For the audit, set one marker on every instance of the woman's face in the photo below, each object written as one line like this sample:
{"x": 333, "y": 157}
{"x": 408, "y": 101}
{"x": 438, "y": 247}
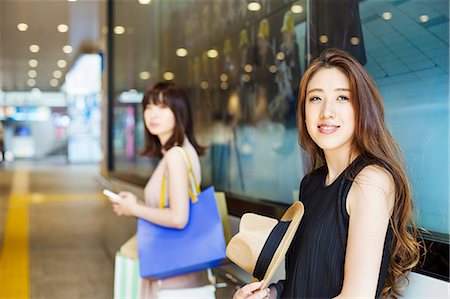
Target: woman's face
{"x": 329, "y": 113}
{"x": 160, "y": 121}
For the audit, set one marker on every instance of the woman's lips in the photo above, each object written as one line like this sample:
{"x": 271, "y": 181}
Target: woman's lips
{"x": 327, "y": 129}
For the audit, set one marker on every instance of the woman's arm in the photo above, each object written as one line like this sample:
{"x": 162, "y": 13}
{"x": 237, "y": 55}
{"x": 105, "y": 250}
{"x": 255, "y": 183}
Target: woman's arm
{"x": 369, "y": 204}
{"x": 177, "y": 214}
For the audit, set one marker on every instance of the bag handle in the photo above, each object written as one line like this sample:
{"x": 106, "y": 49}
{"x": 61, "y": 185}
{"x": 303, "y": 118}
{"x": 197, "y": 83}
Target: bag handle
{"x": 191, "y": 180}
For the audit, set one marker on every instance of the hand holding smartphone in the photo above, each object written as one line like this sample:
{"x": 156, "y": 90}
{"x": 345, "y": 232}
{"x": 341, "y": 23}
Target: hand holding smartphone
{"x": 114, "y": 197}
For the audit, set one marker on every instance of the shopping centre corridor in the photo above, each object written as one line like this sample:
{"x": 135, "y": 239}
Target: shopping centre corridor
{"x": 55, "y": 226}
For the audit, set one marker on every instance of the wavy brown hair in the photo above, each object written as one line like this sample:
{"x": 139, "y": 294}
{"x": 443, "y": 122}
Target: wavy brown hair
{"x": 373, "y": 140}
{"x": 174, "y": 97}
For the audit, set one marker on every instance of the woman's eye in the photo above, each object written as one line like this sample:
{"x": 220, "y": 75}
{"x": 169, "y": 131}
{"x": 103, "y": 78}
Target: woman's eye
{"x": 314, "y": 99}
{"x": 343, "y": 98}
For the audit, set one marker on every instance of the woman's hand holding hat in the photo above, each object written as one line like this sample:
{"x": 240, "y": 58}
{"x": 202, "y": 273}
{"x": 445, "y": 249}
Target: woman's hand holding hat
{"x": 252, "y": 291}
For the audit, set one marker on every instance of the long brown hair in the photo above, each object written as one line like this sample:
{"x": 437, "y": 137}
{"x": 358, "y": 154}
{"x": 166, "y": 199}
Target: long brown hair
{"x": 174, "y": 97}
{"x": 371, "y": 139}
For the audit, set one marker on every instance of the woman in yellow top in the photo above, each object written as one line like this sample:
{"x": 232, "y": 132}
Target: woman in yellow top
{"x": 169, "y": 129}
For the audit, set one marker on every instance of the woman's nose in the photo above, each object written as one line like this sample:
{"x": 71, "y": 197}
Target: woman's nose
{"x": 328, "y": 110}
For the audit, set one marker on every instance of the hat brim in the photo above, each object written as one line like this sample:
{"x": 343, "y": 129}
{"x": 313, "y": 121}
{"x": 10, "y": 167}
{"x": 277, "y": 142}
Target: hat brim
{"x": 294, "y": 214}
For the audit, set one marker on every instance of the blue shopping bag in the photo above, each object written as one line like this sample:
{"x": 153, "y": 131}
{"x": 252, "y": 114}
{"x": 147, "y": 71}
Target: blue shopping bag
{"x": 165, "y": 252}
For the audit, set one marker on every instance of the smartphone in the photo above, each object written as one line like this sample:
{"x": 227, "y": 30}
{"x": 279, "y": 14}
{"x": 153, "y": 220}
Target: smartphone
{"x": 114, "y": 197}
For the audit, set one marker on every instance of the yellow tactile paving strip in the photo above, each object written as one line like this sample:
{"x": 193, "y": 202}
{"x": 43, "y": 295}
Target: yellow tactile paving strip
{"x": 14, "y": 254}
{"x": 14, "y": 257}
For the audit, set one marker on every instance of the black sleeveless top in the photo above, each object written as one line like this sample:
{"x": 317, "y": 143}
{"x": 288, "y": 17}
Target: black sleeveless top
{"x": 315, "y": 259}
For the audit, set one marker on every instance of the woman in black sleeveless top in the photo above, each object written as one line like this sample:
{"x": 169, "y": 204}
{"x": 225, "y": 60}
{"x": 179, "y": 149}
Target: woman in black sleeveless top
{"x": 353, "y": 239}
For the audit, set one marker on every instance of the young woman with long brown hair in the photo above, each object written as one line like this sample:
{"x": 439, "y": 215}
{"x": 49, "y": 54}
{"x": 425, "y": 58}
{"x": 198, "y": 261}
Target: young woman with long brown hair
{"x": 357, "y": 238}
{"x": 169, "y": 135}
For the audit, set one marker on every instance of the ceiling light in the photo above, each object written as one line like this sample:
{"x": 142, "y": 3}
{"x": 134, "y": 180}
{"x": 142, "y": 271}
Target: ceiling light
{"x": 273, "y": 69}
{"x": 246, "y": 78}
{"x": 254, "y": 6}
{"x": 297, "y": 8}
{"x": 223, "y": 85}
{"x": 223, "y": 77}
{"x": 22, "y": 27}
{"x": 57, "y": 74}
{"x": 387, "y": 15}
{"x": 204, "y": 85}
{"x": 72, "y": 0}
{"x": 144, "y": 1}
{"x": 354, "y": 41}
{"x": 67, "y": 49}
{"x": 31, "y": 82}
{"x": 53, "y": 82}
{"x": 32, "y": 73}
{"x": 424, "y": 18}
{"x": 168, "y": 76}
{"x": 33, "y": 63}
{"x": 144, "y": 75}
{"x": 62, "y": 28}
{"x": 323, "y": 39}
{"x": 248, "y": 68}
{"x": 280, "y": 56}
{"x": 182, "y": 52}
{"x": 34, "y": 48}
{"x": 36, "y": 91}
{"x": 212, "y": 53}
{"x": 119, "y": 30}
{"x": 61, "y": 63}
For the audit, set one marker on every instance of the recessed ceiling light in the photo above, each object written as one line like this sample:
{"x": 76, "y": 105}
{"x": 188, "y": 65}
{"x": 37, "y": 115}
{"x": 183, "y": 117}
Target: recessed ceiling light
{"x": 387, "y": 15}
{"x": 53, "y": 82}
{"x": 212, "y": 53}
{"x": 57, "y": 74}
{"x": 424, "y": 18}
{"x": 297, "y": 8}
{"x": 168, "y": 76}
{"x": 254, "y": 6}
{"x": 248, "y": 68}
{"x": 67, "y": 49}
{"x": 31, "y": 82}
{"x": 36, "y": 92}
{"x": 72, "y": 0}
{"x": 22, "y": 27}
{"x": 280, "y": 56}
{"x": 204, "y": 85}
{"x": 323, "y": 38}
{"x": 223, "y": 85}
{"x": 34, "y": 48}
{"x": 119, "y": 30}
{"x": 182, "y": 52}
{"x": 223, "y": 77}
{"x": 62, "y": 28}
{"x": 61, "y": 63}
{"x": 33, "y": 63}
{"x": 144, "y": 75}
{"x": 273, "y": 69}
{"x": 354, "y": 41}
{"x": 144, "y": 1}
{"x": 32, "y": 73}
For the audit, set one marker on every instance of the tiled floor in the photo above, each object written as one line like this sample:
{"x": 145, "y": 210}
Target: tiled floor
{"x": 64, "y": 225}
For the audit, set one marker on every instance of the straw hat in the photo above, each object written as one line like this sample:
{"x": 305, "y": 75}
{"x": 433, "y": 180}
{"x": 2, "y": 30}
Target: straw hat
{"x": 262, "y": 242}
